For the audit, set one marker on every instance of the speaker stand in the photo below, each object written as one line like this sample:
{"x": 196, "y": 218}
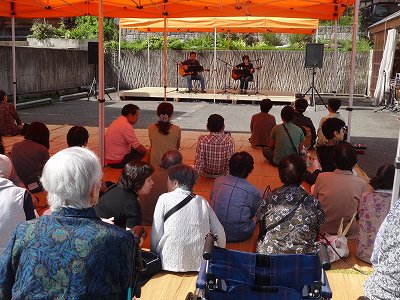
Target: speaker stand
{"x": 313, "y": 90}
{"x": 93, "y": 87}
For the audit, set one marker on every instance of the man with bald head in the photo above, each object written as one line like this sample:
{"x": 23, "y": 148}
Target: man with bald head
{"x": 160, "y": 177}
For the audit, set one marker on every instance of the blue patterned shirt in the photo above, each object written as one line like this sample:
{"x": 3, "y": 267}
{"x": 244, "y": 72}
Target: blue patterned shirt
{"x": 70, "y": 254}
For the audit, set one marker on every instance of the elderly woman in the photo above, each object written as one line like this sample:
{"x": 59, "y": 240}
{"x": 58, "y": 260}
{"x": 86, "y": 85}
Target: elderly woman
{"x": 15, "y": 205}
{"x": 30, "y": 155}
{"x": 121, "y": 200}
{"x": 179, "y": 238}
{"x": 163, "y": 135}
{"x": 70, "y": 254}
{"x": 290, "y": 217}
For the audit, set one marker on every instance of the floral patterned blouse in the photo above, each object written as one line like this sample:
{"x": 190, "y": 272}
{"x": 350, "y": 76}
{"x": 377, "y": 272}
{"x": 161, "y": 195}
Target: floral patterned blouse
{"x": 372, "y": 210}
{"x": 70, "y": 254}
{"x": 384, "y": 282}
{"x": 299, "y": 232}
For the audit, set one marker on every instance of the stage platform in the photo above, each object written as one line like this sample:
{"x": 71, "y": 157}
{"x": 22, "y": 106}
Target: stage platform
{"x": 232, "y": 95}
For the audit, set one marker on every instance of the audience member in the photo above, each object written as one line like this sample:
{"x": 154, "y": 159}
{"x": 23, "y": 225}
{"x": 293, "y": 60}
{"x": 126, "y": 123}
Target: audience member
{"x": 261, "y": 125}
{"x": 13, "y": 177}
{"x": 333, "y": 107}
{"x": 163, "y": 135}
{"x": 286, "y": 138}
{"x": 121, "y": 143}
{"x": 235, "y": 200}
{"x": 15, "y": 205}
{"x": 340, "y": 191}
{"x": 384, "y": 282}
{"x": 290, "y": 217}
{"x": 120, "y": 201}
{"x": 10, "y": 122}
{"x": 99, "y": 258}
{"x": 372, "y": 210}
{"x": 30, "y": 155}
{"x": 213, "y": 151}
{"x": 160, "y": 178}
{"x": 179, "y": 240}
{"x": 305, "y": 123}
{"x": 77, "y": 136}
{"x": 334, "y": 131}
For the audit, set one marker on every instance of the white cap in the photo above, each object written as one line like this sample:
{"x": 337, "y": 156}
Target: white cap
{"x": 5, "y": 166}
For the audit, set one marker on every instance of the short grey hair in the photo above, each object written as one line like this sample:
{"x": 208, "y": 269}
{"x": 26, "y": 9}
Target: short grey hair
{"x": 69, "y": 176}
{"x": 185, "y": 175}
{"x": 5, "y": 166}
{"x": 171, "y": 158}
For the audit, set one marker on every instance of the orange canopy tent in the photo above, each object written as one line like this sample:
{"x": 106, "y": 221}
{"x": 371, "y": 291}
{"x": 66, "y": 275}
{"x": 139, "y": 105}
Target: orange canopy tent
{"x": 317, "y": 9}
{"x": 223, "y": 24}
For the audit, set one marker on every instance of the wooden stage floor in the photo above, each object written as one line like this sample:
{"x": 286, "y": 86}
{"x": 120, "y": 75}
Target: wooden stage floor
{"x": 346, "y": 284}
{"x": 232, "y": 95}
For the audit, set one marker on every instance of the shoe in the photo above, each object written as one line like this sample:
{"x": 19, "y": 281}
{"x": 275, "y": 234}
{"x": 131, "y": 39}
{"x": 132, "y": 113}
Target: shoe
{"x": 241, "y": 92}
{"x": 189, "y": 91}
{"x": 203, "y": 91}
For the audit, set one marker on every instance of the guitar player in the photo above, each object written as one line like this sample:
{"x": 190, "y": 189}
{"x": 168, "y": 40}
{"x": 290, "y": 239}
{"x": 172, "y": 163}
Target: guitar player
{"x": 192, "y": 68}
{"x": 244, "y": 72}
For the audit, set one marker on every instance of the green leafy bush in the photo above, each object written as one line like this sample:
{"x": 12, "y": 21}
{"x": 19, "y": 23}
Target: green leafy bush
{"x": 299, "y": 40}
{"x": 42, "y": 30}
{"x": 271, "y": 39}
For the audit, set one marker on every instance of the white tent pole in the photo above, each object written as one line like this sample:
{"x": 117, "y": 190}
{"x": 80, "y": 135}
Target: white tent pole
{"x": 316, "y": 34}
{"x": 148, "y": 59}
{"x": 101, "y": 82}
{"x": 396, "y": 182}
{"x": 215, "y": 61}
{"x": 352, "y": 66}
{"x": 119, "y": 56}
{"x": 335, "y": 59}
{"x": 165, "y": 58}
{"x": 14, "y": 67}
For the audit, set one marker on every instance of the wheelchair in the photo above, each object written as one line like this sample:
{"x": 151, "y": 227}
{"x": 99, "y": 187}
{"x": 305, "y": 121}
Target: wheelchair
{"x": 229, "y": 274}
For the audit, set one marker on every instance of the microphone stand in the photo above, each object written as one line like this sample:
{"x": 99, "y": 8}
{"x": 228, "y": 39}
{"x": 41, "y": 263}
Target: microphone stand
{"x": 225, "y": 91}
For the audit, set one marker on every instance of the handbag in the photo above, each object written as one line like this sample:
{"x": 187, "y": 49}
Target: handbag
{"x": 297, "y": 151}
{"x": 151, "y": 266}
{"x": 179, "y": 206}
{"x": 263, "y": 231}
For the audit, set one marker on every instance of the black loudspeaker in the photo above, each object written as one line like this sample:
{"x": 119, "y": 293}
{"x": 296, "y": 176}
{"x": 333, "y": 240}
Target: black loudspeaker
{"x": 93, "y": 53}
{"x": 314, "y": 55}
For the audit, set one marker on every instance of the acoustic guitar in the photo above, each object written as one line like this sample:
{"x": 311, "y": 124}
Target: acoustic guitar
{"x": 239, "y": 72}
{"x": 185, "y": 70}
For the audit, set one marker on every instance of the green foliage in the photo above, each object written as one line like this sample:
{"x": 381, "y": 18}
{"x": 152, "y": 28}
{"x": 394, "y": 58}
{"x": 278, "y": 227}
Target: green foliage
{"x": 175, "y": 44}
{"x": 202, "y": 42}
{"x": 42, "y": 30}
{"x": 74, "y": 28}
{"x": 299, "y": 40}
{"x": 363, "y": 45}
{"x": 271, "y": 39}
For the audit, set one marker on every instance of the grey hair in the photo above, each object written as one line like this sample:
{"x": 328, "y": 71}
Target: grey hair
{"x": 69, "y": 176}
{"x": 5, "y": 166}
{"x": 186, "y": 176}
{"x": 171, "y": 158}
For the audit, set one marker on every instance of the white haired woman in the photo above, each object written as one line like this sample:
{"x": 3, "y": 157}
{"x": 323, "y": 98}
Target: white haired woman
{"x": 179, "y": 238}
{"x": 70, "y": 254}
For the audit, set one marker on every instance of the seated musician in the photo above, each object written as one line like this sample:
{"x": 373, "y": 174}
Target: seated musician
{"x": 192, "y": 67}
{"x": 245, "y": 70}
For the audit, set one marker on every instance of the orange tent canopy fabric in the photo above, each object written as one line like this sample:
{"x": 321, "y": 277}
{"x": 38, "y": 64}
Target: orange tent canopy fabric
{"x": 224, "y": 24}
{"x": 315, "y": 9}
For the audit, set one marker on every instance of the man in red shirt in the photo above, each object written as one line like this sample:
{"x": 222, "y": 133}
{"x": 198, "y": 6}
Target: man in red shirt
{"x": 121, "y": 143}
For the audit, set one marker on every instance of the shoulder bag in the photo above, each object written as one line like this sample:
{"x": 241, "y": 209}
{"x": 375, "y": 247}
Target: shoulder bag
{"x": 179, "y": 206}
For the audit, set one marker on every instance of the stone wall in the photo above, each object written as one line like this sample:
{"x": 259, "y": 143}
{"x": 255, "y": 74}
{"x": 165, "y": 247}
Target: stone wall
{"x": 44, "y": 70}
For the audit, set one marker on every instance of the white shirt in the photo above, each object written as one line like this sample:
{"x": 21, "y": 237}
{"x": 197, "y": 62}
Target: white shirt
{"x": 180, "y": 240}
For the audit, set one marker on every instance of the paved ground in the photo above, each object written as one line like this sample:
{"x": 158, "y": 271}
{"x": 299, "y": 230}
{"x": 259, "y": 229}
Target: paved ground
{"x": 378, "y": 130}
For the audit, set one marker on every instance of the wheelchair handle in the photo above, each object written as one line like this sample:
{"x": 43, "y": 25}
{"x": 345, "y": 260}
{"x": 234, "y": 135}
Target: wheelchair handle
{"x": 209, "y": 245}
{"x": 324, "y": 257}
